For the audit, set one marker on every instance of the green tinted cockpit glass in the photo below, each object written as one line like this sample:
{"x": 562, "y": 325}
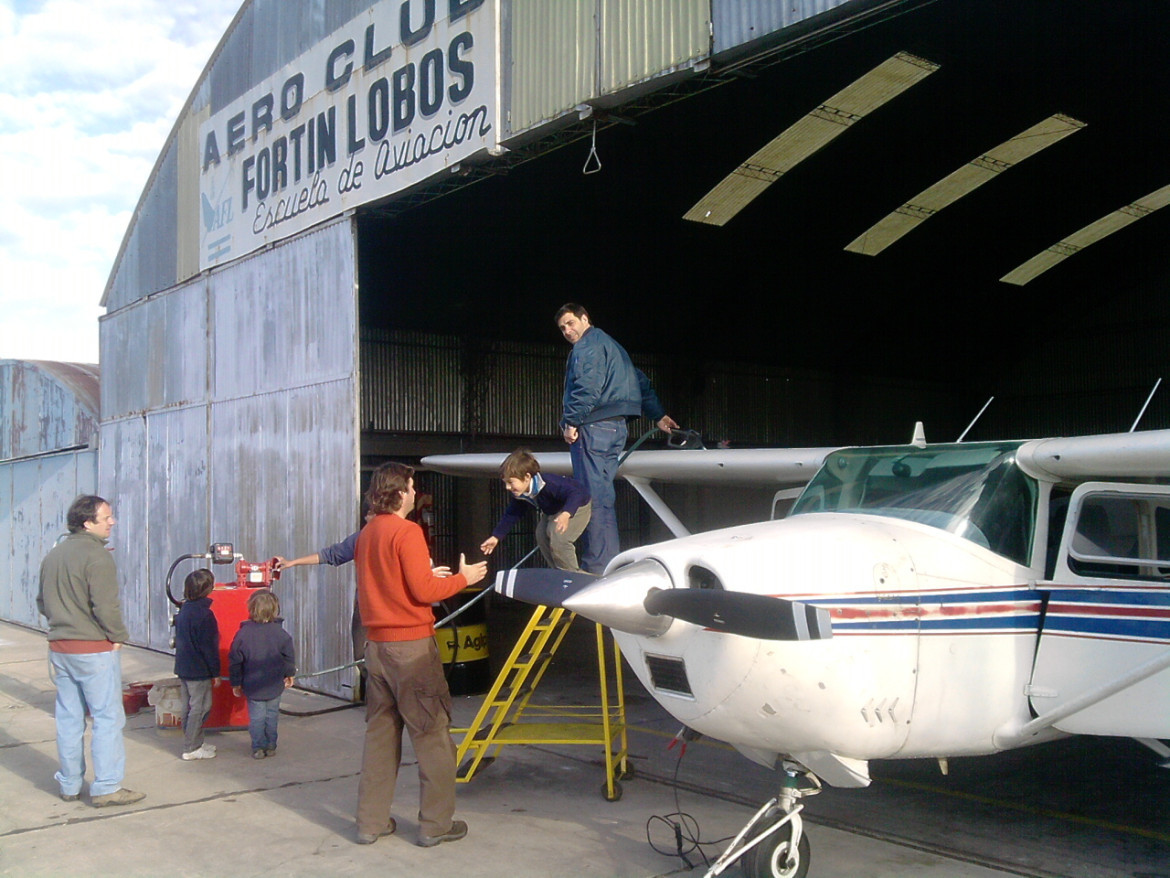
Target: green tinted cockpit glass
{"x": 974, "y": 491}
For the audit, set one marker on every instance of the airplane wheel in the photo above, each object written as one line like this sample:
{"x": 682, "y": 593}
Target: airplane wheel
{"x": 771, "y": 857}
{"x": 617, "y": 792}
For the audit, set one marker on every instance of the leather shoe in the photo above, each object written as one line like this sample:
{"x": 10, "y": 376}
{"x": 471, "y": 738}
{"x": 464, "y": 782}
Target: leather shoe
{"x": 118, "y": 797}
{"x": 457, "y": 831}
{"x": 365, "y": 838}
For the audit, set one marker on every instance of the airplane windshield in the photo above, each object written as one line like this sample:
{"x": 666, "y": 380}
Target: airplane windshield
{"x": 974, "y": 491}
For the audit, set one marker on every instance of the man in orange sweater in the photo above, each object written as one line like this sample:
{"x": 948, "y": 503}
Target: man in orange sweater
{"x": 405, "y": 685}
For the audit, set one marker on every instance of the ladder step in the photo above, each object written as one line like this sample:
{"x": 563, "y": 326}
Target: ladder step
{"x": 556, "y": 733}
{"x": 482, "y": 734}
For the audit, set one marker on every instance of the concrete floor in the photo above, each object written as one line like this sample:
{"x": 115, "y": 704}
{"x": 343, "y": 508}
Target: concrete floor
{"x": 537, "y": 811}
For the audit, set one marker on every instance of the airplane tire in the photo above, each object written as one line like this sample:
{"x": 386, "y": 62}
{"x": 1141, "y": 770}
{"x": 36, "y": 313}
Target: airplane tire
{"x": 770, "y": 858}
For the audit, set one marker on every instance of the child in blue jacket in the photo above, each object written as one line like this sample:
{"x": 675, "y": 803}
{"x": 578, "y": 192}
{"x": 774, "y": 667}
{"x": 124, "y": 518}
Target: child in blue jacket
{"x": 196, "y": 660}
{"x": 262, "y": 665}
{"x": 563, "y": 503}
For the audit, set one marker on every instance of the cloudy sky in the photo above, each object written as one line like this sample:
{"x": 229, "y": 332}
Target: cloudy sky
{"x": 89, "y": 91}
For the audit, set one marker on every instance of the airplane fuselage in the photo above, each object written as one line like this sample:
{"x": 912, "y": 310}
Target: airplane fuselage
{"x": 931, "y": 648}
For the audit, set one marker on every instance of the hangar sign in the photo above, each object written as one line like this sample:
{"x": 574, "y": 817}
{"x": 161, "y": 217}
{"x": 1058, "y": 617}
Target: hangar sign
{"x": 400, "y": 93}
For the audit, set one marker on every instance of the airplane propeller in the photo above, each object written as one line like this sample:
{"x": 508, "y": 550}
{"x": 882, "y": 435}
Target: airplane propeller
{"x": 633, "y": 599}
{"x": 736, "y": 612}
{"x": 541, "y": 586}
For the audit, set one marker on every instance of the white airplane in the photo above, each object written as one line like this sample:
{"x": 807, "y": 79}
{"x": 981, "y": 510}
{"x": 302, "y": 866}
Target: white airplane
{"x": 918, "y": 601}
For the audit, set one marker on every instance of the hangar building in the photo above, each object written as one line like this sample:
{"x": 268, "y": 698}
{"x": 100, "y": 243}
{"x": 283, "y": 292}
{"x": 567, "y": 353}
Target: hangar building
{"x": 48, "y": 455}
{"x": 811, "y": 222}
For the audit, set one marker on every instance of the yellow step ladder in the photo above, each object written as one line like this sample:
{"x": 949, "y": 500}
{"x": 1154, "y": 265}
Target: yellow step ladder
{"x": 499, "y": 720}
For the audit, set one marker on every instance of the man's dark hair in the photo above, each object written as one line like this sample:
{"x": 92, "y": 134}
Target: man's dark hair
{"x": 83, "y": 509}
{"x": 571, "y": 307}
{"x": 387, "y": 484}
{"x": 519, "y": 464}
{"x": 198, "y": 584}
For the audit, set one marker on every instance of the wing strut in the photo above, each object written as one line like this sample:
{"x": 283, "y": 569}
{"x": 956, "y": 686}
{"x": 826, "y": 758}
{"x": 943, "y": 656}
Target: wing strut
{"x": 642, "y": 486}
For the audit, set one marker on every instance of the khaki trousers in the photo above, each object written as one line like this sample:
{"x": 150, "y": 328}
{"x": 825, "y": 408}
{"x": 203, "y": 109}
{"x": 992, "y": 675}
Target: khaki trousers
{"x": 405, "y": 687}
{"x": 559, "y": 550}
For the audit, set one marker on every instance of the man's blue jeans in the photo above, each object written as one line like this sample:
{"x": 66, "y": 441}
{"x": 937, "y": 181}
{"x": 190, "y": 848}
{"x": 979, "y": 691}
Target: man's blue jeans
{"x": 262, "y": 719}
{"x": 595, "y": 457}
{"x": 94, "y": 681}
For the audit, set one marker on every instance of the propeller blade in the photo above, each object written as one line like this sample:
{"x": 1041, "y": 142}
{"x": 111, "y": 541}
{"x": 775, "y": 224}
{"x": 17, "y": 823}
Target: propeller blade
{"x": 736, "y": 612}
{"x": 541, "y": 586}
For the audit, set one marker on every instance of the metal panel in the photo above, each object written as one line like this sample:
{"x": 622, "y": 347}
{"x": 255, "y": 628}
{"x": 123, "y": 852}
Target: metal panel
{"x": 156, "y": 352}
{"x": 283, "y": 448}
{"x": 553, "y": 59}
{"x": 641, "y": 40}
{"x": 523, "y": 389}
{"x": 255, "y": 444}
{"x": 245, "y": 432}
{"x": 284, "y": 317}
{"x": 123, "y": 481}
{"x": 411, "y": 382}
{"x": 737, "y": 22}
{"x": 178, "y": 490}
{"x": 46, "y": 406}
{"x": 34, "y": 497}
{"x": 189, "y": 212}
{"x": 567, "y": 53}
{"x": 268, "y": 35}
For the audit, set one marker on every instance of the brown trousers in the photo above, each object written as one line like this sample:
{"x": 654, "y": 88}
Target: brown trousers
{"x": 405, "y": 686}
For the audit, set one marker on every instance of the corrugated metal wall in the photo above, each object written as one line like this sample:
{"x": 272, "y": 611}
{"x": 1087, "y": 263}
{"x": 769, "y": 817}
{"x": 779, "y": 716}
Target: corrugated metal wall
{"x": 425, "y": 383}
{"x": 34, "y": 497}
{"x": 641, "y": 41}
{"x": 230, "y": 414}
{"x": 737, "y": 22}
{"x": 45, "y": 408}
{"x": 428, "y": 365}
{"x": 567, "y": 53}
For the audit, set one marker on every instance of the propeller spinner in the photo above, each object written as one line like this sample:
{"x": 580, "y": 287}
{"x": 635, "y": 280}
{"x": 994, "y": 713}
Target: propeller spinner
{"x": 640, "y": 599}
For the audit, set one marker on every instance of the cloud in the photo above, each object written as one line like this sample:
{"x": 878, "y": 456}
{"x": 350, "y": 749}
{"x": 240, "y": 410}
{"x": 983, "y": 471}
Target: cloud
{"x": 91, "y": 90}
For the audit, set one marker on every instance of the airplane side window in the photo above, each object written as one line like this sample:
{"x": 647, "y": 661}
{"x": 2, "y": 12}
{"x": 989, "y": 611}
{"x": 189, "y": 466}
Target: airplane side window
{"x": 1106, "y": 540}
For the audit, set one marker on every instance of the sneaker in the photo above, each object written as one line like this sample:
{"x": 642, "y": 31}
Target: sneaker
{"x": 364, "y": 838}
{"x": 457, "y": 831}
{"x": 118, "y": 797}
{"x": 269, "y": 751}
{"x": 70, "y": 797}
{"x": 204, "y": 752}
{"x": 258, "y": 754}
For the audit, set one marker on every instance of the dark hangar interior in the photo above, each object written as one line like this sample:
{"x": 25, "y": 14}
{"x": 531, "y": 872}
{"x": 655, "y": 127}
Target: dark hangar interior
{"x": 925, "y": 330}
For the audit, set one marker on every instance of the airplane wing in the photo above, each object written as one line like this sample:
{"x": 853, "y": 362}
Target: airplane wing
{"x": 1108, "y": 456}
{"x": 754, "y": 467}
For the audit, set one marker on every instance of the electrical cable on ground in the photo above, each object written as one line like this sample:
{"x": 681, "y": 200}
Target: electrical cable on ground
{"x": 683, "y": 827}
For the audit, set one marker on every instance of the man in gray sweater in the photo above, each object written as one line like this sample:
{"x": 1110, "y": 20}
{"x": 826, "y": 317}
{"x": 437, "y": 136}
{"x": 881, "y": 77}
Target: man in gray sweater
{"x": 79, "y": 597}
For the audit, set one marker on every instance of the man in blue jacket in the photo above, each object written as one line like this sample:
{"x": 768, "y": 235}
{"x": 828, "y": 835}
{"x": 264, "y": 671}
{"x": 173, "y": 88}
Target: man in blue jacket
{"x": 602, "y": 390}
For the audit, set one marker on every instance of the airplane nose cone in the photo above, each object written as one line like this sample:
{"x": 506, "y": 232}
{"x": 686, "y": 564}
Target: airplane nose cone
{"x": 616, "y": 600}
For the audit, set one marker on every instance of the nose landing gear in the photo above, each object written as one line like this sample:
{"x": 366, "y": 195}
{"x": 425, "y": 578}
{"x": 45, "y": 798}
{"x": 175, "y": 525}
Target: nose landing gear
{"x": 773, "y": 843}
